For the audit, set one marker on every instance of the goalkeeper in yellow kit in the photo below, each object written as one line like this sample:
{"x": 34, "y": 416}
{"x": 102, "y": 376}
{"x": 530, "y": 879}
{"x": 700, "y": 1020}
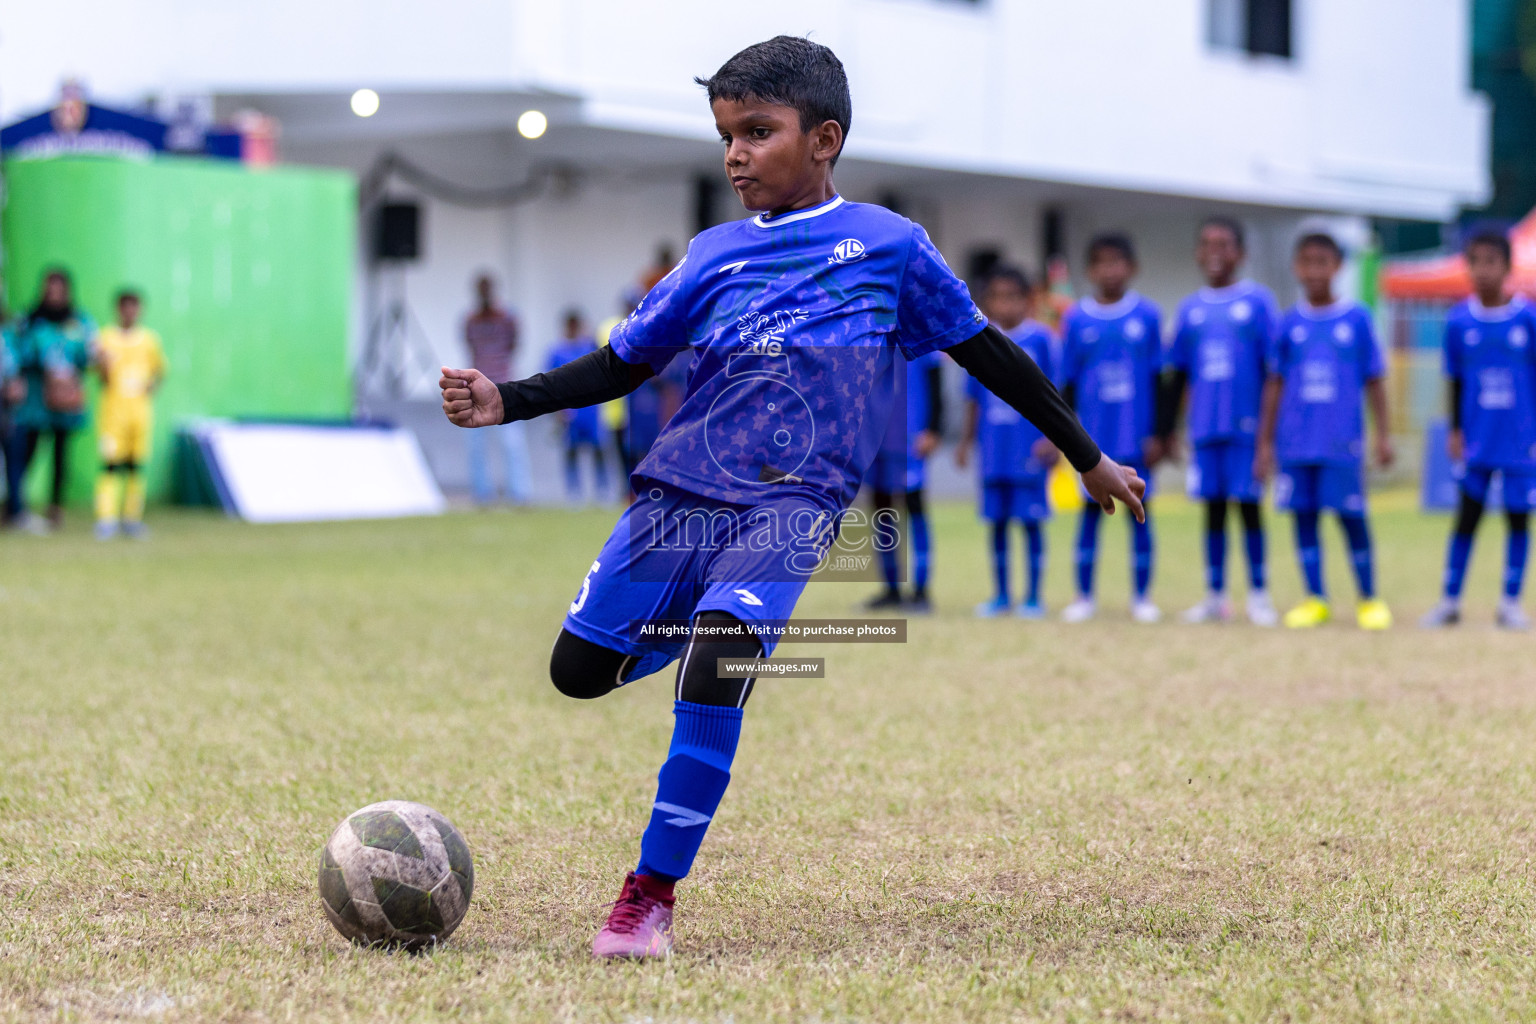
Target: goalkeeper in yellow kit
{"x": 132, "y": 365}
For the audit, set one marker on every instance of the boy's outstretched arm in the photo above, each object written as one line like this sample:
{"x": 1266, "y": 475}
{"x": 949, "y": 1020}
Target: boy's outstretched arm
{"x": 1008, "y": 372}
{"x": 471, "y": 399}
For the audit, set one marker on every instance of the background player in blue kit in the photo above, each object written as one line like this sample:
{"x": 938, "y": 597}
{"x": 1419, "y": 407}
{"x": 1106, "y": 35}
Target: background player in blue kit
{"x": 1221, "y": 338}
{"x": 797, "y": 319}
{"x": 1324, "y": 356}
{"x": 1111, "y": 356}
{"x": 583, "y": 427}
{"x": 1490, "y": 361}
{"x": 900, "y": 467}
{"x": 1015, "y": 457}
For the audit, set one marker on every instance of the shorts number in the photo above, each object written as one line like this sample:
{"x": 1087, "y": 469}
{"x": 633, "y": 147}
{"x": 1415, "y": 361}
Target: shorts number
{"x": 586, "y": 588}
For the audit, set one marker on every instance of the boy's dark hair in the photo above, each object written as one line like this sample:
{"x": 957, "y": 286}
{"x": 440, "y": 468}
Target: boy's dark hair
{"x": 1320, "y": 238}
{"x": 1006, "y": 272}
{"x": 1231, "y": 225}
{"x": 129, "y": 295}
{"x": 790, "y": 71}
{"x": 1112, "y": 241}
{"x": 1492, "y": 236}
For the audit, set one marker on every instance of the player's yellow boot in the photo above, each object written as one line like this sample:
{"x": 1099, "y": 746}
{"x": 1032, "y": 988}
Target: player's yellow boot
{"x": 1309, "y": 614}
{"x": 1374, "y": 614}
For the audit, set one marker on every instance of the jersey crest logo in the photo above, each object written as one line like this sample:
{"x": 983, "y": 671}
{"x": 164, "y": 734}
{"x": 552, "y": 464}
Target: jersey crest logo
{"x": 1135, "y": 330}
{"x": 1298, "y": 334}
{"x": 1343, "y": 334}
{"x": 1517, "y": 338}
{"x": 1241, "y": 311}
{"x": 733, "y": 268}
{"x": 849, "y": 250}
{"x": 1197, "y": 316}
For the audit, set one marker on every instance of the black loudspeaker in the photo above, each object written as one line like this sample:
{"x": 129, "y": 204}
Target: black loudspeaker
{"x": 397, "y": 232}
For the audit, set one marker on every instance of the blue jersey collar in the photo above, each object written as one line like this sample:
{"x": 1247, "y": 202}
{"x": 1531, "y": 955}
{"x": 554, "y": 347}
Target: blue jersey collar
{"x": 1331, "y": 311}
{"x": 1494, "y": 314}
{"x": 764, "y": 220}
{"x": 1227, "y": 294}
{"x": 1094, "y": 308}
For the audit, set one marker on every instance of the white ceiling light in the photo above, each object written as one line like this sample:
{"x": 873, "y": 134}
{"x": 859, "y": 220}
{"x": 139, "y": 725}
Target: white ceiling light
{"x": 532, "y": 124}
{"x": 365, "y": 103}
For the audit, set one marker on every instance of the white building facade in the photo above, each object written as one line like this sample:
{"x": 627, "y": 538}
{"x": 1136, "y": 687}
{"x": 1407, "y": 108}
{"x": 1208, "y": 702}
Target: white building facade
{"x": 1009, "y": 127}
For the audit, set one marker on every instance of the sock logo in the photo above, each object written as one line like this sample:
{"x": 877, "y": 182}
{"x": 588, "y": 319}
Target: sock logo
{"x": 685, "y": 817}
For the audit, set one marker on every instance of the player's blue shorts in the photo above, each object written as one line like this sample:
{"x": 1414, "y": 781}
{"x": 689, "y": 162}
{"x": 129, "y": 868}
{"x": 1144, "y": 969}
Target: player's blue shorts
{"x": 1519, "y": 493}
{"x": 1140, "y": 466}
{"x": 1025, "y": 500}
{"x": 675, "y": 554}
{"x": 1224, "y": 469}
{"x": 1312, "y": 487}
{"x": 583, "y": 430}
{"x": 896, "y": 472}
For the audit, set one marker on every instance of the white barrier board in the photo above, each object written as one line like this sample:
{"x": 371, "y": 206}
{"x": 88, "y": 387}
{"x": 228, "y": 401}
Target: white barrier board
{"x": 286, "y": 473}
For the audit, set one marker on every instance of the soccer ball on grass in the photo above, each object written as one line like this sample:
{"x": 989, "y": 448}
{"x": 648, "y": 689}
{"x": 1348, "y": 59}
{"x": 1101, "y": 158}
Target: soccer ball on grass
{"x": 396, "y": 874}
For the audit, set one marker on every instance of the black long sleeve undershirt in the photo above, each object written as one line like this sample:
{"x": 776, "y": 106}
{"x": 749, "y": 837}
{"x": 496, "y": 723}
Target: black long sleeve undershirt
{"x": 933, "y": 380}
{"x": 595, "y": 378}
{"x": 1455, "y": 388}
{"x": 1170, "y": 397}
{"x": 1007, "y": 371}
{"x": 991, "y": 357}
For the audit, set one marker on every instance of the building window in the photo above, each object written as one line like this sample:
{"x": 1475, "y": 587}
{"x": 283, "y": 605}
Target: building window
{"x": 1250, "y": 26}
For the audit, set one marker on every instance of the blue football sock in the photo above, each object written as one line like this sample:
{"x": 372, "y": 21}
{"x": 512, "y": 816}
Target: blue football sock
{"x": 1456, "y": 562}
{"x": 1359, "y": 536}
{"x": 1310, "y": 550}
{"x": 921, "y": 552}
{"x": 1000, "y": 559}
{"x": 1035, "y": 538}
{"x": 1141, "y": 554}
{"x": 1216, "y": 559}
{"x": 689, "y": 788}
{"x": 1087, "y": 543}
{"x": 1515, "y": 551}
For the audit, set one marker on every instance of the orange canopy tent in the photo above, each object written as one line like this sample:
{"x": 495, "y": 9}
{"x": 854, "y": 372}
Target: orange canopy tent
{"x": 1445, "y": 277}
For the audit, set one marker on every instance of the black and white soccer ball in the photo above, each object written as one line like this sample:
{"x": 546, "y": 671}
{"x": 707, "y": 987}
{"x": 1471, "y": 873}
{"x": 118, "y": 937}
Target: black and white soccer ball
{"x": 396, "y": 874}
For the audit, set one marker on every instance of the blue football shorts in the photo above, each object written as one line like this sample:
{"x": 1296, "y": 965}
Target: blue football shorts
{"x": 1519, "y": 494}
{"x": 1314, "y": 486}
{"x": 1224, "y": 469}
{"x": 675, "y": 554}
{"x": 1024, "y": 500}
{"x": 896, "y": 473}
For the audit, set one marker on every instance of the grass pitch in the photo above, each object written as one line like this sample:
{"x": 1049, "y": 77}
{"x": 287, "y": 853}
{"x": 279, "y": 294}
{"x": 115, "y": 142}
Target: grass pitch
{"x": 997, "y": 821}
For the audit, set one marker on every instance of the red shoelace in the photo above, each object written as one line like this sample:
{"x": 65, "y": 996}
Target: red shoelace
{"x": 631, "y": 908}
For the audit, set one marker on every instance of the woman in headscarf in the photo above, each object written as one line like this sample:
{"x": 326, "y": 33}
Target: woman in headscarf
{"x": 53, "y": 345}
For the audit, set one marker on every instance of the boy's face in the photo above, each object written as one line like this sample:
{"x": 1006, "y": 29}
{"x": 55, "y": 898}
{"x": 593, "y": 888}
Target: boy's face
{"x": 1488, "y": 268}
{"x": 1005, "y": 302}
{"x": 770, "y": 161}
{"x": 128, "y": 312}
{"x": 1218, "y": 254}
{"x": 1315, "y": 267}
{"x": 1110, "y": 272}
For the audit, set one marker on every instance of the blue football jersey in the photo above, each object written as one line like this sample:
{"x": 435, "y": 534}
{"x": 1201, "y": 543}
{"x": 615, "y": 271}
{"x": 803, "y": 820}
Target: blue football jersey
{"x": 1111, "y": 356}
{"x": 795, "y": 323}
{"x": 1490, "y": 351}
{"x": 1005, "y": 440}
{"x": 565, "y": 351}
{"x": 1325, "y": 356}
{"x": 911, "y": 411}
{"x": 1221, "y": 338}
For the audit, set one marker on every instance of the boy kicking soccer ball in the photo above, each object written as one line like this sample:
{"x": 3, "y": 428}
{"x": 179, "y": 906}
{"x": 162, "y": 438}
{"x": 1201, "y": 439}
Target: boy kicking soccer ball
{"x": 1111, "y": 358}
{"x": 1490, "y": 361}
{"x": 1323, "y": 357}
{"x": 1220, "y": 341}
{"x": 794, "y": 317}
{"x": 1015, "y": 459}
